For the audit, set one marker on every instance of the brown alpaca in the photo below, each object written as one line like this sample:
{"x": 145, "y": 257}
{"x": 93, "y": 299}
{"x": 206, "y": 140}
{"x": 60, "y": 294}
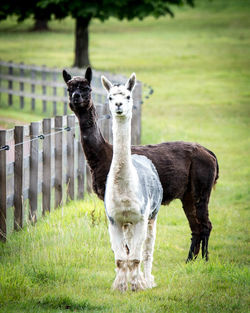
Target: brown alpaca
{"x": 187, "y": 171}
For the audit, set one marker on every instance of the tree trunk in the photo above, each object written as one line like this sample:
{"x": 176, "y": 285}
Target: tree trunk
{"x": 82, "y": 42}
{"x": 41, "y": 25}
{"x": 41, "y": 22}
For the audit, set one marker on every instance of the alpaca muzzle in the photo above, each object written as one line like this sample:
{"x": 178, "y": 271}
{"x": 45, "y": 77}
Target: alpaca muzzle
{"x": 118, "y": 109}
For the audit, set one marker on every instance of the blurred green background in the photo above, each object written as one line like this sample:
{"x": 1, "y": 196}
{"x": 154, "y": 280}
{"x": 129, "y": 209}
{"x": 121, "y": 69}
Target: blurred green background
{"x": 198, "y": 64}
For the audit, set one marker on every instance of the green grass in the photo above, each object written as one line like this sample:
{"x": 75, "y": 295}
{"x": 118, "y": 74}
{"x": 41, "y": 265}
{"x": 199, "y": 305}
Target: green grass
{"x": 65, "y": 263}
{"x": 9, "y": 118}
{"x": 198, "y": 65}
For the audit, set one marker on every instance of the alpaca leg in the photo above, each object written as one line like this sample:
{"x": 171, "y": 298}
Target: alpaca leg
{"x": 148, "y": 251}
{"x": 135, "y": 236}
{"x": 117, "y": 244}
{"x": 190, "y": 211}
{"x": 202, "y": 215}
{"x": 121, "y": 283}
{"x": 203, "y": 176}
{"x": 136, "y": 277}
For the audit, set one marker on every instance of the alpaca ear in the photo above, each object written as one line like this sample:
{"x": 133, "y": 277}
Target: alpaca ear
{"x": 130, "y": 84}
{"x": 106, "y": 83}
{"x": 66, "y": 76}
{"x": 88, "y": 74}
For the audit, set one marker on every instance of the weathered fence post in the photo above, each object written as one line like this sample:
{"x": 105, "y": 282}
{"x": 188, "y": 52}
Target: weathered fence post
{"x": 18, "y": 178}
{"x": 70, "y": 157}
{"x": 54, "y": 78}
{"x": 3, "y": 184}
{"x": 44, "y": 75}
{"x": 34, "y": 154}
{"x": 10, "y": 84}
{"x": 88, "y": 179}
{"x": 106, "y": 119}
{"x": 81, "y": 171}
{"x": 58, "y": 161}
{"x": 139, "y": 110}
{"x": 65, "y": 104}
{"x": 46, "y": 165}
{"x": 33, "y": 88}
{"x": 111, "y": 131}
{"x": 21, "y": 86}
{"x": 136, "y": 117}
{"x": 0, "y": 79}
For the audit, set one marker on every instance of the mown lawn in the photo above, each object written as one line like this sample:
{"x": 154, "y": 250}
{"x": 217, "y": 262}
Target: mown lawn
{"x": 198, "y": 65}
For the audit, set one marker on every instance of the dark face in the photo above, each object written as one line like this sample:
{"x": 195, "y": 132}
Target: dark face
{"x": 79, "y": 93}
{"x": 79, "y": 90}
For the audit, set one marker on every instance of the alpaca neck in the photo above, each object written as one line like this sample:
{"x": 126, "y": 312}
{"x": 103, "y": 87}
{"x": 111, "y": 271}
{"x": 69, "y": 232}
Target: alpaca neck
{"x": 92, "y": 140}
{"x": 122, "y": 142}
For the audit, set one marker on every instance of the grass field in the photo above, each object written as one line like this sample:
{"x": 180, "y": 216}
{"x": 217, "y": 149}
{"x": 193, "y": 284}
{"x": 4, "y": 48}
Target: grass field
{"x": 198, "y": 64}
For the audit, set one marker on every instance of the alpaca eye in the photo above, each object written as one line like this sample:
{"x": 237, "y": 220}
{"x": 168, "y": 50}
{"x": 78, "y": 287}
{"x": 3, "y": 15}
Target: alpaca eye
{"x": 128, "y": 97}
{"x": 110, "y": 98}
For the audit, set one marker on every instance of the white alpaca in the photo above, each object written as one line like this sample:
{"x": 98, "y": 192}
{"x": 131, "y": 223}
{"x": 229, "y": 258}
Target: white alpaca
{"x": 132, "y": 198}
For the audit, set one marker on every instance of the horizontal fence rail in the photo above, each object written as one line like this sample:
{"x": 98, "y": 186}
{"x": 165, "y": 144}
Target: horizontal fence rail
{"x": 42, "y": 90}
{"x": 38, "y": 88}
{"x": 42, "y": 165}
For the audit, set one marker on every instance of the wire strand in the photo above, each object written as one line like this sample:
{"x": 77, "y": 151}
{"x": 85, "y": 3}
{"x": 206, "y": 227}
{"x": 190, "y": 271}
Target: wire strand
{"x": 41, "y": 136}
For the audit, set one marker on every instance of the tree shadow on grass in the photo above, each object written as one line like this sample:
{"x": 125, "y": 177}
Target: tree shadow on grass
{"x": 66, "y": 303}
{"x": 52, "y": 304}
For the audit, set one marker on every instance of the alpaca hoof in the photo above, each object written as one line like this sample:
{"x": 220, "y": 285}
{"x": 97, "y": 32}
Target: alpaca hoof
{"x": 151, "y": 285}
{"x": 204, "y": 241}
{"x": 151, "y": 282}
{"x": 137, "y": 287}
{"x": 122, "y": 287}
{"x": 139, "y": 284}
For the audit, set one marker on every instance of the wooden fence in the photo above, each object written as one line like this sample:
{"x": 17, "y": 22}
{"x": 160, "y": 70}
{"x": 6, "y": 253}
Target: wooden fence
{"x": 42, "y": 90}
{"x": 39, "y": 164}
{"x": 42, "y": 165}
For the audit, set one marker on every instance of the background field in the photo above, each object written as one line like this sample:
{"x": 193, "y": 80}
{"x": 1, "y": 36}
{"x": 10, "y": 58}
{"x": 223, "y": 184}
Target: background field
{"x": 198, "y": 64}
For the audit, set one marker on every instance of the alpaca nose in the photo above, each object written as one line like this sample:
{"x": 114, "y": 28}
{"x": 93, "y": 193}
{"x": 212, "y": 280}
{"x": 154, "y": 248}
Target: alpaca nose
{"x": 118, "y": 104}
{"x": 76, "y": 95}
